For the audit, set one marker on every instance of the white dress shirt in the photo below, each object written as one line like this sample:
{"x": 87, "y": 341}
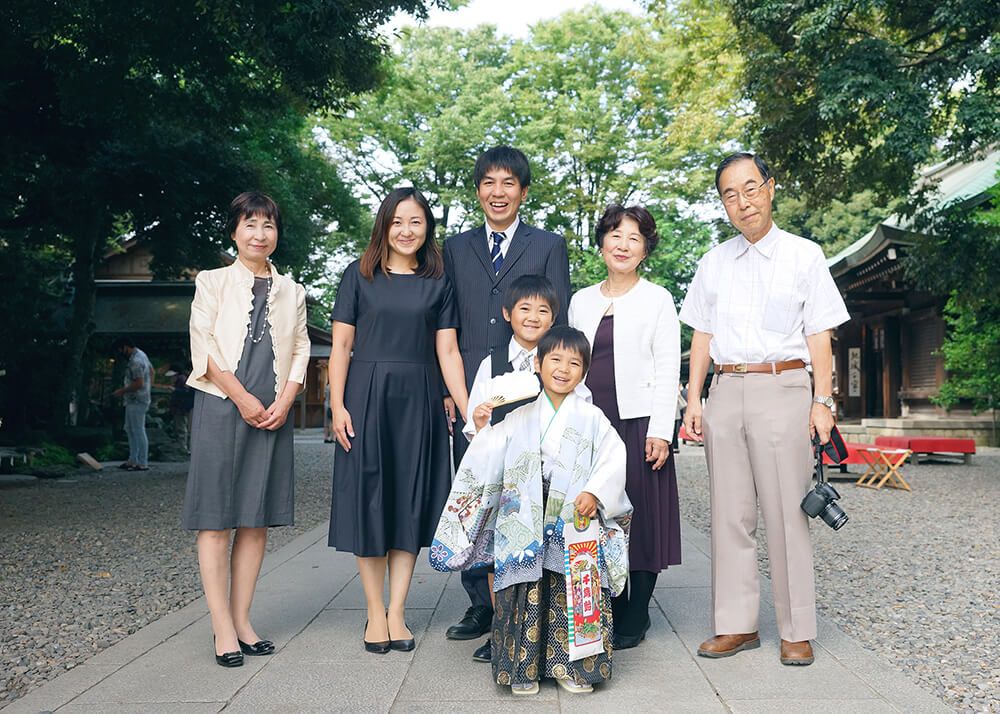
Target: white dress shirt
{"x": 760, "y": 300}
{"x": 509, "y": 232}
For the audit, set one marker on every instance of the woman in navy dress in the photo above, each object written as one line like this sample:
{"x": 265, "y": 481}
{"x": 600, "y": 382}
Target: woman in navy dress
{"x": 394, "y": 337}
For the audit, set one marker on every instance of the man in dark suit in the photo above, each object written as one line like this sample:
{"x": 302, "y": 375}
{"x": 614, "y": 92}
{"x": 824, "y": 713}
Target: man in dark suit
{"x": 481, "y": 263}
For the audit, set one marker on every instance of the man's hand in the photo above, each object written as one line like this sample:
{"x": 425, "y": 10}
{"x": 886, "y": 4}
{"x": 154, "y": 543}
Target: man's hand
{"x": 692, "y": 419}
{"x": 450, "y": 411}
{"x": 586, "y": 504}
{"x": 657, "y": 451}
{"x": 821, "y": 422}
{"x": 118, "y": 392}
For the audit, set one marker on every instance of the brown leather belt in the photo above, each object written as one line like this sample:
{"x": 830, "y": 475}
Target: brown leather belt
{"x": 768, "y": 367}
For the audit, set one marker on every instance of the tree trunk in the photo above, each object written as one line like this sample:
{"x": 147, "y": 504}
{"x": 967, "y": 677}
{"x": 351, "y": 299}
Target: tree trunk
{"x": 87, "y": 245}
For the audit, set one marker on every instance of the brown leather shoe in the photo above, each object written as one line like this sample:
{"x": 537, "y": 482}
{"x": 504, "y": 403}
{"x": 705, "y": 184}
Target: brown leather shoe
{"x": 796, "y": 653}
{"x": 728, "y": 645}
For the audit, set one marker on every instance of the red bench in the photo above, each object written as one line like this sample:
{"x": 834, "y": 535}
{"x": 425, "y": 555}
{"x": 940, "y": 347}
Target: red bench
{"x": 935, "y": 445}
{"x": 893, "y": 442}
{"x": 931, "y": 445}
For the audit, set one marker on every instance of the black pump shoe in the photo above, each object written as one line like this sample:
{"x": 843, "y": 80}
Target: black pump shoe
{"x": 376, "y": 647}
{"x": 261, "y": 647}
{"x": 402, "y": 645}
{"x": 229, "y": 659}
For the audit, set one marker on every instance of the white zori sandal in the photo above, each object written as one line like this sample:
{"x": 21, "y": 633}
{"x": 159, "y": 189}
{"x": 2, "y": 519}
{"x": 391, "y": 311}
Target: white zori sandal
{"x": 572, "y": 687}
{"x": 524, "y": 689}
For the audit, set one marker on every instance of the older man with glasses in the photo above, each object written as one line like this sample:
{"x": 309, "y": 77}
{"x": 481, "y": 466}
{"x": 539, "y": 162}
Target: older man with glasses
{"x": 762, "y": 305}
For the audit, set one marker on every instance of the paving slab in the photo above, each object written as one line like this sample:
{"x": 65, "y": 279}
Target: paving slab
{"x": 309, "y": 601}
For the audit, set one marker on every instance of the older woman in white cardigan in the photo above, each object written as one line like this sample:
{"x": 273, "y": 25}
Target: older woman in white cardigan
{"x": 634, "y": 373}
{"x": 250, "y": 352}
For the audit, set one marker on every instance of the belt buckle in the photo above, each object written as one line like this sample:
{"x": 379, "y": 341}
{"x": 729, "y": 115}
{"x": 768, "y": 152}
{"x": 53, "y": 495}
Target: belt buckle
{"x": 740, "y": 368}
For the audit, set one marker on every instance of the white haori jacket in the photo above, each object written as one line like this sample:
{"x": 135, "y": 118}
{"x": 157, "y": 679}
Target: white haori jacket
{"x": 220, "y": 320}
{"x": 495, "y": 510}
{"x": 647, "y": 338}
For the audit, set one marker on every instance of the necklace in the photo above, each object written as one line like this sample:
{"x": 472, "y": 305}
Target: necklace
{"x": 267, "y": 313}
{"x": 611, "y": 294}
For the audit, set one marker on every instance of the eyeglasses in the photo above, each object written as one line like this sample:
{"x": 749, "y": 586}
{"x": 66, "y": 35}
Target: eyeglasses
{"x": 731, "y": 196}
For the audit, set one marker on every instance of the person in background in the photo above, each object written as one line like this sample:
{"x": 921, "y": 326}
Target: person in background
{"x": 135, "y": 393}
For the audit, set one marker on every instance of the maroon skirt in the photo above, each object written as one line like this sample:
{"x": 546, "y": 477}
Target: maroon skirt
{"x": 655, "y": 539}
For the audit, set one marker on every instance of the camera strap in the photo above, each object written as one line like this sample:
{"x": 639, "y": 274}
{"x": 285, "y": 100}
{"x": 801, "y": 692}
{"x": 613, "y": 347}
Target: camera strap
{"x": 820, "y": 471}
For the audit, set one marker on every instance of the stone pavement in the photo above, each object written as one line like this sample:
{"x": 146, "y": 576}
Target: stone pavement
{"x": 310, "y": 603}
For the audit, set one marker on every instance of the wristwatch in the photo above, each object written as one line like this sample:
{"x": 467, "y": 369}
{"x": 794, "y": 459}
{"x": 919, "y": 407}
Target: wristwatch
{"x": 825, "y": 401}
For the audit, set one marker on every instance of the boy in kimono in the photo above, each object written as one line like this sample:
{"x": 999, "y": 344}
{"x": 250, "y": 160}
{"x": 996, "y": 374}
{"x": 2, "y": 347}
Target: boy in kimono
{"x": 520, "y": 483}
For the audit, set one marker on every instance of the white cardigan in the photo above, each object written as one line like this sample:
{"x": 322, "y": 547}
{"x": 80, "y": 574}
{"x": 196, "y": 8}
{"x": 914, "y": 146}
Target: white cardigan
{"x": 647, "y": 350}
{"x": 220, "y": 319}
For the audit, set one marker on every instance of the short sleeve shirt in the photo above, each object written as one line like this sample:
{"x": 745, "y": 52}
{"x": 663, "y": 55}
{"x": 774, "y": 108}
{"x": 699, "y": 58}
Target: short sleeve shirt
{"x": 760, "y": 300}
{"x": 139, "y": 367}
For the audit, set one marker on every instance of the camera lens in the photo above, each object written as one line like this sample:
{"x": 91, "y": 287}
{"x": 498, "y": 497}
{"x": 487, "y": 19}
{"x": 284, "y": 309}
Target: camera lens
{"x": 834, "y": 516}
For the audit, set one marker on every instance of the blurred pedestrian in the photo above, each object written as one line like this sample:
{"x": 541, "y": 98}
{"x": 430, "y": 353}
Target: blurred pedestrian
{"x": 135, "y": 393}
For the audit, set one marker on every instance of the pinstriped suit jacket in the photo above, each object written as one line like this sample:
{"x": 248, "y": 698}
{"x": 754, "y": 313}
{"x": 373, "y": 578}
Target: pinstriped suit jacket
{"x": 479, "y": 291}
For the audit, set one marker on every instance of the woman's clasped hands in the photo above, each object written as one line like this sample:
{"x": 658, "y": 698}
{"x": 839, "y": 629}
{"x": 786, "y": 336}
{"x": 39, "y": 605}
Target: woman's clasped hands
{"x": 253, "y": 412}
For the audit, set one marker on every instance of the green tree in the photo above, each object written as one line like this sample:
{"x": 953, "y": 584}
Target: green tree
{"x": 854, "y": 95}
{"x": 834, "y": 226}
{"x": 442, "y": 102}
{"x": 957, "y": 256}
{"x": 149, "y": 117}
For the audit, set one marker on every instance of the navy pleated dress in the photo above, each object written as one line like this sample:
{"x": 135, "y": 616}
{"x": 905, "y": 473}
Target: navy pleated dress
{"x": 388, "y": 491}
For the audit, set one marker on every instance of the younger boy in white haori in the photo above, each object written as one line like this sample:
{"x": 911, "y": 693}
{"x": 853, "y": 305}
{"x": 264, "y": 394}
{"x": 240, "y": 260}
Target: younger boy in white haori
{"x": 554, "y": 462}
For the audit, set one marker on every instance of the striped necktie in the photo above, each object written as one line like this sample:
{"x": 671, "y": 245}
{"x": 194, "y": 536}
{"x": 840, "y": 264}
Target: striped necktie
{"x": 495, "y": 255}
{"x": 525, "y": 362}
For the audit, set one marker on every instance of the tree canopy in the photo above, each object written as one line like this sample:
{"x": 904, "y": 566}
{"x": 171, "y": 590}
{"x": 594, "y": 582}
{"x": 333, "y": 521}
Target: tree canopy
{"x": 856, "y": 95}
{"x": 145, "y": 118}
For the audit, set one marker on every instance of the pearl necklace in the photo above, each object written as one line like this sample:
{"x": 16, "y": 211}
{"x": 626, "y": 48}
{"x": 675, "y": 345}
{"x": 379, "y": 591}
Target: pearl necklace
{"x": 267, "y": 313}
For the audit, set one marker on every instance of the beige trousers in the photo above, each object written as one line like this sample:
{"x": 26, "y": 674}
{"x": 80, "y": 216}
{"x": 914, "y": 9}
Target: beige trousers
{"x": 756, "y": 429}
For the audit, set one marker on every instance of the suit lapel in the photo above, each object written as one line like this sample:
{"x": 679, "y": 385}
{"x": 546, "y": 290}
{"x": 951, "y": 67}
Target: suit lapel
{"x": 518, "y": 244}
{"x": 477, "y": 238}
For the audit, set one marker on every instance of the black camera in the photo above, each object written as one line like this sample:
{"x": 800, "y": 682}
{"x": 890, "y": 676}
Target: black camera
{"x": 822, "y": 500}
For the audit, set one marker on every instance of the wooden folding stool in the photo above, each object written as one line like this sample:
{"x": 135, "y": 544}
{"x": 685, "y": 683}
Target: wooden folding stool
{"x": 883, "y": 467}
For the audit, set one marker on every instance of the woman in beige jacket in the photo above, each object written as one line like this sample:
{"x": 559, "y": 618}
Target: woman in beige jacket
{"x": 249, "y": 351}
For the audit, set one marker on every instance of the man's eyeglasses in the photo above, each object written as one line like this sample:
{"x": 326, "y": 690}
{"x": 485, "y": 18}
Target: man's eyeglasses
{"x": 731, "y": 196}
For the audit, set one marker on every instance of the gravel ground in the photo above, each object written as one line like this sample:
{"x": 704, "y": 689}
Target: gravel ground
{"x": 87, "y": 560}
{"x": 915, "y": 577}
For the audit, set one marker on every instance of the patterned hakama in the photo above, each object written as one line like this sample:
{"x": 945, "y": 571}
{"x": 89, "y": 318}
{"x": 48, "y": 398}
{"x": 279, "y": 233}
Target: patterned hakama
{"x": 530, "y": 639}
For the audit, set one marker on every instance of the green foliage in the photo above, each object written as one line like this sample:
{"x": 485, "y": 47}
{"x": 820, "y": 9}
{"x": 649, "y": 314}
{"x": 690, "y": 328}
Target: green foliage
{"x": 854, "y": 95}
{"x": 836, "y": 225}
{"x": 588, "y": 96}
{"x": 971, "y": 355}
{"x": 957, "y": 255}
{"x": 149, "y": 117}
